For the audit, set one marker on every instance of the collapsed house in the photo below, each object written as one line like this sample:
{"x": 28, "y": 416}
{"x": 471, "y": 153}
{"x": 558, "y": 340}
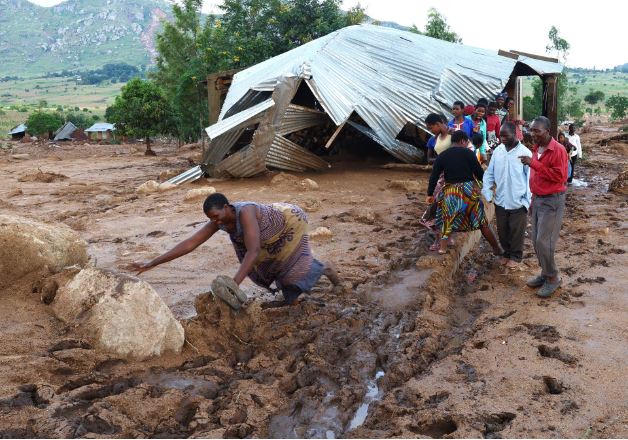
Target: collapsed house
{"x": 69, "y": 132}
{"x": 18, "y": 132}
{"x": 288, "y": 111}
{"x": 101, "y": 130}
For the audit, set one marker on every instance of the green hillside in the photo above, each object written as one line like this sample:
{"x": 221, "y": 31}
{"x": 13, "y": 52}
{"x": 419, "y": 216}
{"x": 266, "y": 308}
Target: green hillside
{"x": 77, "y": 34}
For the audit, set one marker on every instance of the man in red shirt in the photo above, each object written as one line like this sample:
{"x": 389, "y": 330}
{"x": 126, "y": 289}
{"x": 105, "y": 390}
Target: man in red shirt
{"x": 548, "y": 183}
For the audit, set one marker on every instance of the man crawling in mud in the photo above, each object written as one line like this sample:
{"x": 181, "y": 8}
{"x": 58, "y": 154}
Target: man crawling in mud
{"x": 270, "y": 241}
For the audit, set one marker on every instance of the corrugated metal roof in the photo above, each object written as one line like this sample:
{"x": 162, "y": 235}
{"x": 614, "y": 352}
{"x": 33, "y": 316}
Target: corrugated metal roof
{"x": 18, "y": 129}
{"x": 388, "y": 77}
{"x": 188, "y": 176}
{"x": 244, "y": 117}
{"x": 101, "y": 126}
{"x": 298, "y": 118}
{"x": 286, "y": 155}
{"x": 401, "y": 150}
{"x": 406, "y": 72}
{"x": 65, "y": 132}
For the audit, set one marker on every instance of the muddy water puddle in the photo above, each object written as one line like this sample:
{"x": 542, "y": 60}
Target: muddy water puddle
{"x": 373, "y": 393}
{"x": 401, "y": 289}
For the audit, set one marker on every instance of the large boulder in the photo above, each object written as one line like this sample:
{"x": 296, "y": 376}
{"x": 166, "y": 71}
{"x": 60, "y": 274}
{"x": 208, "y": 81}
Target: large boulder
{"x": 27, "y": 246}
{"x": 119, "y": 314}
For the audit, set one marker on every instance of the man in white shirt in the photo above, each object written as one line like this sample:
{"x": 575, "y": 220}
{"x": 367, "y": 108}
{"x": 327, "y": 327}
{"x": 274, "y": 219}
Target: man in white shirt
{"x": 574, "y": 139}
{"x": 512, "y": 196}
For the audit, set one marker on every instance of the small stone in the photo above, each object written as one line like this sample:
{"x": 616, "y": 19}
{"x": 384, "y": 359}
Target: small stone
{"x": 198, "y": 193}
{"x": 405, "y": 185}
{"x": 309, "y": 185}
{"x": 148, "y": 187}
{"x": 321, "y": 233}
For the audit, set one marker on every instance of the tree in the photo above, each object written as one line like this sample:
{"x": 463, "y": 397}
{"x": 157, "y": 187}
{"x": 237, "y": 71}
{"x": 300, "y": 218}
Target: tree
{"x": 43, "y": 123}
{"x": 355, "y": 15}
{"x": 141, "y": 110}
{"x": 80, "y": 120}
{"x": 247, "y": 32}
{"x": 594, "y": 97}
{"x": 437, "y": 27}
{"x": 306, "y": 20}
{"x": 557, "y": 44}
{"x": 618, "y": 105}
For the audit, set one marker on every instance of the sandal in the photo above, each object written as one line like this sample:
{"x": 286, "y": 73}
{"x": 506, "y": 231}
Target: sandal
{"x": 442, "y": 252}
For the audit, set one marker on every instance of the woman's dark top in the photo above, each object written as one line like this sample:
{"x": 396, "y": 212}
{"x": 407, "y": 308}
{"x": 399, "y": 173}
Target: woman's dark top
{"x": 459, "y": 165}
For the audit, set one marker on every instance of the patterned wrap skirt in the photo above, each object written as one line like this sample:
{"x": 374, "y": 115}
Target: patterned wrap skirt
{"x": 285, "y": 256}
{"x": 460, "y": 208}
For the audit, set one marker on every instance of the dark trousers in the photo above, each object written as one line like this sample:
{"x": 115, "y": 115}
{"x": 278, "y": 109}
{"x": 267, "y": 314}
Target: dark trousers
{"x": 573, "y": 159}
{"x": 511, "y": 228}
{"x": 547, "y": 218}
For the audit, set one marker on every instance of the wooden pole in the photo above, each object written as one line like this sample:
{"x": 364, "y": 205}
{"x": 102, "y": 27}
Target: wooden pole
{"x": 550, "y": 102}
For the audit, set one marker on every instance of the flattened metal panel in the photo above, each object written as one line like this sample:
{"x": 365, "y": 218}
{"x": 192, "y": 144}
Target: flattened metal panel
{"x": 188, "y": 176}
{"x": 220, "y": 146}
{"x": 18, "y": 129}
{"x": 243, "y": 118}
{"x": 65, "y": 132}
{"x": 298, "y": 118}
{"x": 540, "y": 66}
{"x": 287, "y": 155}
{"x": 245, "y": 163}
{"x": 401, "y": 150}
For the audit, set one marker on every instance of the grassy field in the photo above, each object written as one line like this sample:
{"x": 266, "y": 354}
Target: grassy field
{"x": 611, "y": 83}
{"x": 20, "y": 98}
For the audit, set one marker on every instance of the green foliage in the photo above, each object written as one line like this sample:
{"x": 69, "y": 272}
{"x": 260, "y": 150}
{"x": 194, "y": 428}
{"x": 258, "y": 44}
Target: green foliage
{"x": 43, "y": 123}
{"x": 249, "y": 31}
{"x": 116, "y": 72}
{"x": 79, "y": 119}
{"x": 533, "y": 105}
{"x": 42, "y": 103}
{"x": 437, "y": 27}
{"x": 355, "y": 15}
{"x": 557, "y": 44}
{"x": 618, "y": 106}
{"x": 594, "y": 97}
{"x": 141, "y": 110}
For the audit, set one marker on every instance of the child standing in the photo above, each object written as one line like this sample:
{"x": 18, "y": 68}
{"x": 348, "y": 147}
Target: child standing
{"x": 493, "y": 126}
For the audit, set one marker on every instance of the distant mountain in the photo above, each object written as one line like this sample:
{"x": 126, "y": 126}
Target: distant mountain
{"x": 77, "y": 34}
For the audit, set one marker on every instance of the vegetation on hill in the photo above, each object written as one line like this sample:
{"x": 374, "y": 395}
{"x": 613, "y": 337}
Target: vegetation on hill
{"x": 77, "y": 34}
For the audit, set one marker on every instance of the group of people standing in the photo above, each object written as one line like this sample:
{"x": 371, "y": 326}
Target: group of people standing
{"x": 482, "y": 155}
{"x": 473, "y": 155}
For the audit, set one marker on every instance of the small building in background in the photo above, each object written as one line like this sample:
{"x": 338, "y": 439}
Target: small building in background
{"x": 101, "y": 131}
{"x": 18, "y": 132}
{"x": 65, "y": 132}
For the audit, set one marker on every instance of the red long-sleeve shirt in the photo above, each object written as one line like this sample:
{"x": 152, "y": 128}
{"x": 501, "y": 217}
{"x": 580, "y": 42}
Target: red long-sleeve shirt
{"x": 548, "y": 175}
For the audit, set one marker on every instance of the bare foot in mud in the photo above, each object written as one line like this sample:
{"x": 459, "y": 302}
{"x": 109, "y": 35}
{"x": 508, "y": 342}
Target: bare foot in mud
{"x": 504, "y": 261}
{"x": 331, "y": 274}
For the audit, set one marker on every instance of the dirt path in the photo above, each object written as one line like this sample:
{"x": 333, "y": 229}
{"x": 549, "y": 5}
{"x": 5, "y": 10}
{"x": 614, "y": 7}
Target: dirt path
{"x": 406, "y": 351}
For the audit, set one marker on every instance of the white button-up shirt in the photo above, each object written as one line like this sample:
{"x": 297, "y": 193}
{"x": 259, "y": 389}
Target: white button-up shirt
{"x": 510, "y": 178}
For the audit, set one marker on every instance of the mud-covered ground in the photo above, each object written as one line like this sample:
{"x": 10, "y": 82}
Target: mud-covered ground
{"x": 406, "y": 350}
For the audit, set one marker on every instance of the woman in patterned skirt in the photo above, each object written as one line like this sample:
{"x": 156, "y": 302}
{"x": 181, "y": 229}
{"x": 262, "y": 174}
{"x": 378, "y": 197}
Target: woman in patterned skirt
{"x": 460, "y": 207}
{"x": 270, "y": 241}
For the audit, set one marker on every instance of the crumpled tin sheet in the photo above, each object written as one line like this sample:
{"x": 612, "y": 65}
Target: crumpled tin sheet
{"x": 286, "y": 155}
{"x": 396, "y": 67}
{"x": 405, "y": 152}
{"x": 298, "y": 118}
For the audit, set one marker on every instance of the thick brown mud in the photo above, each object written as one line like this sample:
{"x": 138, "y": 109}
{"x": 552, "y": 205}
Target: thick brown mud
{"x": 406, "y": 349}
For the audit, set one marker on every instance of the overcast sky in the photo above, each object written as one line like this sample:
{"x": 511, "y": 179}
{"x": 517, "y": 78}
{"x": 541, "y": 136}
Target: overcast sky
{"x": 596, "y": 30}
